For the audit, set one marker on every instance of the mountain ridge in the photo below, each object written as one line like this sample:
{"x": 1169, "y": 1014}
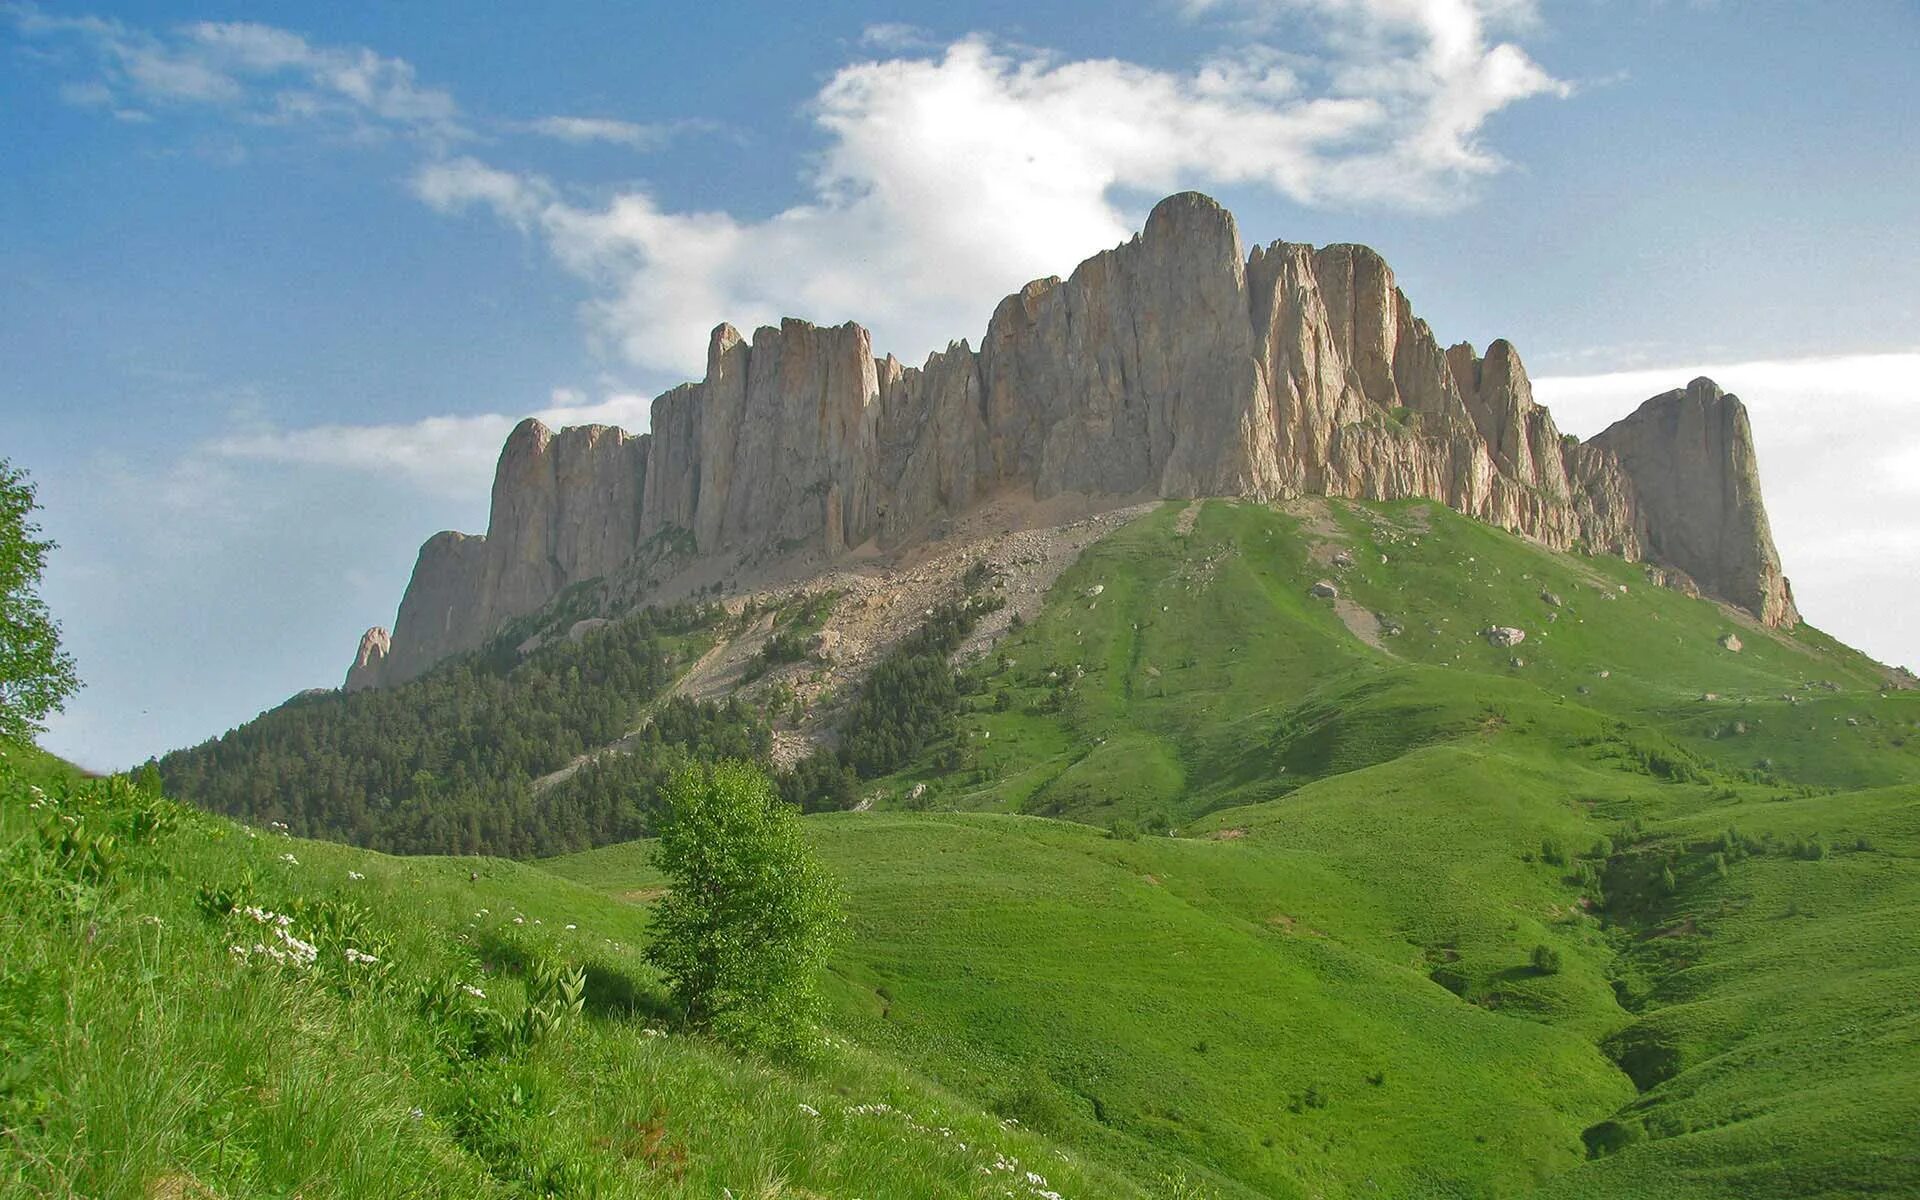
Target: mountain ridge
{"x": 1176, "y": 365}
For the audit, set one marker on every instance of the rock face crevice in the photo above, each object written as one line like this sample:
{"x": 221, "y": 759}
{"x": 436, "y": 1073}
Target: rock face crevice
{"x": 1175, "y": 365}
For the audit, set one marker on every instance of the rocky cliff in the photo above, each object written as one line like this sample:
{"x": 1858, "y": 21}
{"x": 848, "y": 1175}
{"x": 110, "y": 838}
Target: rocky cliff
{"x": 1176, "y": 365}
{"x": 1696, "y": 481}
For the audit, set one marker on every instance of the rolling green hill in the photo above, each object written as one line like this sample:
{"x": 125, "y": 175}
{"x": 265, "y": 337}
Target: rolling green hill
{"x": 1219, "y": 888}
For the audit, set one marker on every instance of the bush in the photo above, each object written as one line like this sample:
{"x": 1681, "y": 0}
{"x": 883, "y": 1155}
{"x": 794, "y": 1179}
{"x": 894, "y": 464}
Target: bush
{"x": 1546, "y": 960}
{"x": 784, "y": 646}
{"x": 746, "y": 925}
{"x": 1610, "y": 1137}
{"x": 1552, "y": 853}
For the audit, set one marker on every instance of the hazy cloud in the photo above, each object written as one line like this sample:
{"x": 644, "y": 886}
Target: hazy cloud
{"x": 1838, "y": 439}
{"x": 448, "y": 456}
{"x": 259, "y": 72}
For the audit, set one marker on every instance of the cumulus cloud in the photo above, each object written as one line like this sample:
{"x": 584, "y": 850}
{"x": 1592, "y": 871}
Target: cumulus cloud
{"x": 950, "y": 178}
{"x": 1839, "y": 446}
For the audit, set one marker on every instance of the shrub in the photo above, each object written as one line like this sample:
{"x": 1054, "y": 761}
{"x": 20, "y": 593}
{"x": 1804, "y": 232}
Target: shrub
{"x": 1123, "y": 830}
{"x": 1552, "y": 852}
{"x": 784, "y": 646}
{"x": 1546, "y": 960}
{"x": 1610, "y": 1137}
{"x": 742, "y": 933}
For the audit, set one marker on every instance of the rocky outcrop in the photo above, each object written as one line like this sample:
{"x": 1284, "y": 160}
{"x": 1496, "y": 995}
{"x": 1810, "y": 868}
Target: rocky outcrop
{"x": 566, "y": 508}
{"x": 1696, "y": 480}
{"x": 369, "y": 662}
{"x": 1175, "y": 365}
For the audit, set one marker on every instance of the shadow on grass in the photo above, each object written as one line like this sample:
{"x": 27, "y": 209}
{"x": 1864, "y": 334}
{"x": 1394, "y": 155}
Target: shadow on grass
{"x": 613, "y": 992}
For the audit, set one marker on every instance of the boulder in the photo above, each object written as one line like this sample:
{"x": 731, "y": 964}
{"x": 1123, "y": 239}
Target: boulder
{"x": 1505, "y": 635}
{"x": 1324, "y": 589}
{"x": 1731, "y": 642}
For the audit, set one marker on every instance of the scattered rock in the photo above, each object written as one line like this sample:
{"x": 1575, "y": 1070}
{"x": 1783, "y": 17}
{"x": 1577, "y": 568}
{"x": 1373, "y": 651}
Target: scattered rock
{"x": 1730, "y": 641}
{"x": 1505, "y": 635}
{"x": 1551, "y": 599}
{"x": 1325, "y": 590}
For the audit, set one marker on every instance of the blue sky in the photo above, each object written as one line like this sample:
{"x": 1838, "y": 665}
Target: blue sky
{"x": 279, "y": 278}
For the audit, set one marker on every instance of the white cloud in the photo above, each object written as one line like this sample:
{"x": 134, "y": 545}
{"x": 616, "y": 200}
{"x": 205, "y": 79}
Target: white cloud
{"x": 949, "y": 179}
{"x": 447, "y": 456}
{"x": 581, "y": 130}
{"x": 258, "y": 71}
{"x": 1839, "y": 446}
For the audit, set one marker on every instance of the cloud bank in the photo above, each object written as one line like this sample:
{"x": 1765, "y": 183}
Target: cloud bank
{"x": 1839, "y": 446}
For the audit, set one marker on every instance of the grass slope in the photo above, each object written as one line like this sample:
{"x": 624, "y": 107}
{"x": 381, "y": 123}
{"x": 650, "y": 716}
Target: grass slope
{"x": 141, "y": 1056}
{"x": 1325, "y": 986}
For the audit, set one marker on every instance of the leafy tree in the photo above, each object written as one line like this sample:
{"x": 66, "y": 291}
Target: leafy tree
{"x": 742, "y": 932}
{"x": 1546, "y": 960}
{"x": 36, "y": 676}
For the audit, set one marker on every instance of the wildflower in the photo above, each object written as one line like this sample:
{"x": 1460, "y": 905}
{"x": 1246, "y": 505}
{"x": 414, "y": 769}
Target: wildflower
{"x": 358, "y": 956}
{"x": 810, "y": 1110}
{"x": 150, "y": 919}
{"x": 654, "y": 1032}
{"x": 290, "y": 860}
{"x": 519, "y": 920}
{"x": 355, "y": 875}
{"x": 571, "y": 928}
{"x": 473, "y": 991}
{"x": 417, "y": 1113}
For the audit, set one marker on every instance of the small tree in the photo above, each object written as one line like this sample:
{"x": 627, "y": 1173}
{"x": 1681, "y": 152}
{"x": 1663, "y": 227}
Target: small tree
{"x": 1546, "y": 960}
{"x": 36, "y": 676}
{"x": 750, "y": 914}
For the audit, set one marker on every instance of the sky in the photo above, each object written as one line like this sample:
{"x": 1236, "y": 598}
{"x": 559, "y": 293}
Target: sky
{"x": 276, "y": 279}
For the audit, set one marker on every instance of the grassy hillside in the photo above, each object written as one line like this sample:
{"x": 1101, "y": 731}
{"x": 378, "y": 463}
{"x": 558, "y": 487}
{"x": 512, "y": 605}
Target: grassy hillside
{"x": 1219, "y": 888}
{"x": 142, "y": 1055}
{"x": 1327, "y": 983}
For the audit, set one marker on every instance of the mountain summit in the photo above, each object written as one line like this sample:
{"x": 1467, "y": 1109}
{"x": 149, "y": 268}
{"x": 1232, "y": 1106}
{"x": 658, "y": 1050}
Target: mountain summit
{"x": 1176, "y": 365}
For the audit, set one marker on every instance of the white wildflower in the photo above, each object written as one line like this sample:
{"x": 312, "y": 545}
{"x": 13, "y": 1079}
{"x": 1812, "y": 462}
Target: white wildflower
{"x": 290, "y": 860}
{"x": 358, "y": 956}
{"x": 810, "y": 1110}
{"x": 473, "y": 991}
{"x": 571, "y": 928}
{"x": 355, "y": 875}
{"x": 150, "y": 919}
{"x": 654, "y": 1032}
{"x": 519, "y": 920}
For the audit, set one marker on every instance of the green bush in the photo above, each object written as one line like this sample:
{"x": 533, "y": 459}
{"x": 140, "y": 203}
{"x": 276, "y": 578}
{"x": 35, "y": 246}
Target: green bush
{"x": 742, "y": 932}
{"x": 1546, "y": 960}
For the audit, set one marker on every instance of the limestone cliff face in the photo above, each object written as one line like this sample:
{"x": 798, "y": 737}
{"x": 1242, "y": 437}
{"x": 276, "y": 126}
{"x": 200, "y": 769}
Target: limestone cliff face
{"x": 566, "y": 508}
{"x": 369, "y": 661}
{"x": 1175, "y": 365}
{"x": 1689, "y": 453}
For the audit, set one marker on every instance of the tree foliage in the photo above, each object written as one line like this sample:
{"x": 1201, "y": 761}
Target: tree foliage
{"x": 743, "y": 931}
{"x": 452, "y": 762}
{"x": 36, "y": 675}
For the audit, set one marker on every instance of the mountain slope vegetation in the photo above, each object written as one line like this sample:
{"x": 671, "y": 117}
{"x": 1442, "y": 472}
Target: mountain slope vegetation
{"x": 1197, "y": 884}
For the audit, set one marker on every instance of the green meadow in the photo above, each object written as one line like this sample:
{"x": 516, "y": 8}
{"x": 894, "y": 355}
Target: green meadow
{"x": 1221, "y": 890}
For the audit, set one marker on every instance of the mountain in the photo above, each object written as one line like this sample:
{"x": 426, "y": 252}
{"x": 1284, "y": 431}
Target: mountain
{"x": 1173, "y": 366}
{"x": 1206, "y": 877}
